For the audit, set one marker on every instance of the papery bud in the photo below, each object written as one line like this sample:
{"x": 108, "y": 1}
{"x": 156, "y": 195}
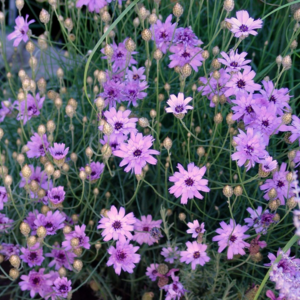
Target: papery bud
{"x": 62, "y": 272}
{"x": 30, "y": 48}
{"x": 24, "y": 228}
{"x": 157, "y": 54}
{"x": 41, "y": 232}
{"x": 89, "y": 152}
{"x": 143, "y": 122}
{"x": 297, "y": 15}
{"x": 205, "y": 54}
{"x": 167, "y": 143}
{"x": 69, "y": 24}
{"x": 136, "y": 22}
{"x": 70, "y": 111}
{"x": 177, "y": 10}
{"x": 200, "y": 151}
{"x": 228, "y": 5}
{"x": 26, "y": 172}
{"x": 152, "y": 19}
{"x": 182, "y": 216}
{"x": 8, "y": 180}
{"x": 238, "y": 191}
{"x": 274, "y": 204}
{"x": 186, "y": 70}
{"x": 130, "y": 45}
{"x": 77, "y": 265}
{"x": 14, "y": 273}
{"x": 19, "y": 4}
{"x": 286, "y": 62}
{"x": 216, "y": 50}
{"x": 218, "y": 118}
{"x": 227, "y": 191}
{"x": 272, "y": 193}
{"x": 44, "y": 16}
{"x": 106, "y": 151}
{"x": 15, "y": 261}
{"x": 286, "y": 118}
{"x": 146, "y": 35}
{"x": 108, "y": 51}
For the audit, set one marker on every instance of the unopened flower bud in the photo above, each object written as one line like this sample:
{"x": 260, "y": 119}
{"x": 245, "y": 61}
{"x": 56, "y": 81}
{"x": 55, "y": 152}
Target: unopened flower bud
{"x": 182, "y": 216}
{"x": 205, "y": 54}
{"x": 108, "y": 51}
{"x": 218, "y": 118}
{"x": 177, "y": 10}
{"x": 297, "y": 15}
{"x": 228, "y": 5}
{"x": 227, "y": 191}
{"x": 106, "y": 151}
{"x": 286, "y": 62}
{"x": 167, "y": 143}
{"x": 41, "y": 232}
{"x": 130, "y": 45}
{"x": 31, "y": 241}
{"x": 157, "y": 54}
{"x": 77, "y": 265}
{"x": 143, "y": 122}
{"x": 14, "y": 273}
{"x": 286, "y": 118}
{"x": 238, "y": 191}
{"x": 186, "y": 70}
{"x": 15, "y": 261}
{"x": 146, "y": 35}
{"x": 26, "y": 172}
{"x": 19, "y": 4}
{"x": 272, "y": 193}
{"x": 44, "y": 16}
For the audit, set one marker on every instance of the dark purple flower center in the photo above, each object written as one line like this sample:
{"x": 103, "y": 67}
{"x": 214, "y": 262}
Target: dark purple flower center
{"x": 117, "y": 225}
{"x": 249, "y": 149}
{"x": 137, "y": 153}
{"x": 234, "y": 64}
{"x": 132, "y": 93}
{"x": 175, "y": 286}
{"x": 241, "y": 84}
{"x": 36, "y": 280}
{"x": 114, "y": 146}
{"x": 61, "y": 256}
{"x": 265, "y": 123}
{"x": 56, "y": 197}
{"x": 93, "y": 173}
{"x": 146, "y": 228}
{"x": 249, "y": 109}
{"x": 185, "y": 54}
{"x": 42, "y": 150}
{"x": 233, "y": 238}
{"x": 135, "y": 77}
{"x": 272, "y": 99}
{"x": 63, "y": 288}
{"x": 111, "y": 93}
{"x": 154, "y": 272}
{"x": 118, "y": 125}
{"x": 120, "y": 255}
{"x": 120, "y": 54}
{"x": 267, "y": 219}
{"x": 198, "y": 229}
{"x": 163, "y": 35}
{"x": 243, "y": 28}
{"x": 189, "y": 181}
{"x": 59, "y": 153}
{"x": 32, "y": 109}
{"x": 196, "y": 254}
{"x": 22, "y": 31}
{"x": 280, "y": 184}
{"x": 32, "y": 256}
{"x": 48, "y": 225}
{"x": 179, "y": 108}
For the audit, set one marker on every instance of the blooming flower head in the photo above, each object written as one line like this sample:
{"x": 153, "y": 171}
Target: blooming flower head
{"x": 117, "y": 225}
{"x": 3, "y": 196}
{"x": 268, "y": 164}
{"x": 112, "y": 92}
{"x": 5, "y": 223}
{"x": 178, "y": 105}
{"x": 61, "y": 258}
{"x": 59, "y": 151}
{"x": 114, "y": 140}
{"x": 38, "y": 146}
{"x": 294, "y": 128}
{"x": 194, "y": 254}
{"x": 186, "y": 37}
{"x": 6, "y": 109}
{"x": 232, "y": 236}
{"x": 170, "y": 254}
{"x": 234, "y": 61}
{"x": 33, "y": 255}
{"x": 62, "y": 286}
{"x": 250, "y": 147}
{"x": 152, "y": 271}
{"x": 163, "y": 33}
{"x": 32, "y": 215}
{"x": 78, "y": 233}
{"x": 136, "y": 74}
{"x": 52, "y": 221}
{"x": 123, "y": 257}
{"x": 21, "y": 30}
{"x": 93, "y": 5}
{"x": 56, "y": 195}
{"x": 30, "y": 107}
{"x": 9, "y": 249}
{"x": 175, "y": 290}
{"x": 188, "y": 183}
{"x": 136, "y": 153}
{"x": 195, "y": 228}
{"x": 243, "y": 25}
{"x": 133, "y": 91}
{"x": 36, "y": 174}
{"x": 97, "y": 169}
{"x": 36, "y": 282}
{"x": 143, "y": 228}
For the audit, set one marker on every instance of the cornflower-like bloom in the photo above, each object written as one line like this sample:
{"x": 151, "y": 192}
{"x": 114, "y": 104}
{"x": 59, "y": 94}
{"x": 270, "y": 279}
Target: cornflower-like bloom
{"x": 178, "y": 105}
{"x": 93, "y": 5}
{"x": 38, "y": 146}
{"x": 56, "y": 195}
{"x": 280, "y": 184}
{"x": 21, "y": 30}
{"x": 36, "y": 174}
{"x": 186, "y": 37}
{"x": 36, "y": 282}
{"x": 52, "y": 221}
{"x": 136, "y": 153}
{"x": 243, "y": 25}
{"x": 33, "y": 256}
{"x": 114, "y": 141}
{"x": 120, "y": 122}
{"x": 234, "y": 61}
{"x": 294, "y": 128}
{"x": 123, "y": 257}
{"x": 195, "y": 254}
{"x": 117, "y": 225}
{"x": 195, "y": 228}
{"x": 112, "y": 92}
{"x": 59, "y": 151}
{"x": 97, "y": 169}
{"x": 133, "y": 91}
{"x": 3, "y": 196}
{"x": 259, "y": 220}
{"x": 61, "y": 258}
{"x": 30, "y": 107}
{"x": 185, "y": 55}
{"x": 9, "y": 249}
{"x": 6, "y": 109}
{"x": 188, "y": 183}
{"x": 136, "y": 74}
{"x": 30, "y": 220}
{"x": 170, "y": 254}
{"x": 143, "y": 228}
{"x": 232, "y": 236}
{"x": 268, "y": 164}
{"x": 5, "y": 223}
{"x": 62, "y": 286}
{"x": 162, "y": 33}
{"x": 241, "y": 83}
{"x": 152, "y": 272}
{"x": 78, "y": 233}
{"x": 250, "y": 148}
{"x": 175, "y": 290}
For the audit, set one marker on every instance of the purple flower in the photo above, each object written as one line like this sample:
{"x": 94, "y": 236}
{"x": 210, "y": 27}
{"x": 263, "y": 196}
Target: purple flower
{"x": 3, "y": 196}
{"x": 133, "y": 91}
{"x": 178, "y": 105}
{"x": 280, "y": 184}
{"x": 97, "y": 169}
{"x": 36, "y": 174}
{"x": 62, "y": 286}
{"x": 112, "y": 92}
{"x": 243, "y": 25}
{"x": 30, "y": 107}
{"x": 272, "y": 296}
{"x": 195, "y": 228}
{"x": 136, "y": 74}
{"x": 7, "y": 108}
{"x": 9, "y": 249}
{"x": 185, "y": 55}
{"x": 268, "y": 164}
{"x": 30, "y": 220}
{"x": 250, "y": 148}
{"x": 294, "y": 128}
{"x": 120, "y": 121}
{"x": 175, "y": 290}
{"x": 136, "y": 153}
{"x": 162, "y": 33}
{"x": 152, "y": 271}
{"x": 195, "y": 254}
{"x": 38, "y": 146}
{"x": 93, "y": 5}
{"x": 21, "y": 30}
{"x": 186, "y": 37}
{"x": 234, "y": 61}
{"x": 33, "y": 255}
{"x": 56, "y": 195}
{"x": 61, "y": 258}
{"x": 36, "y": 282}
{"x": 59, "y": 151}
{"x": 78, "y": 233}
{"x": 188, "y": 183}
{"x": 5, "y": 223}
{"x": 143, "y": 228}
{"x": 170, "y": 254}
{"x": 117, "y": 225}
{"x": 123, "y": 257}
{"x": 242, "y": 82}
{"x": 231, "y": 236}
{"x": 52, "y": 221}
{"x": 114, "y": 141}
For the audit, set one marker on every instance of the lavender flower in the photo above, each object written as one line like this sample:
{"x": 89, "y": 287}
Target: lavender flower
{"x": 5, "y": 223}
{"x": 178, "y": 105}
{"x": 59, "y": 151}
{"x": 93, "y": 5}
{"x": 136, "y": 74}
{"x": 33, "y": 255}
{"x": 112, "y": 92}
{"x": 175, "y": 290}
{"x": 133, "y": 91}
{"x": 38, "y": 146}
{"x": 268, "y": 164}
{"x": 152, "y": 271}
{"x": 195, "y": 228}
{"x": 97, "y": 169}
{"x": 294, "y": 128}
{"x": 3, "y": 196}
{"x": 61, "y": 258}
{"x": 186, "y": 37}
{"x": 78, "y": 233}
{"x": 62, "y": 286}
{"x": 234, "y": 61}
{"x": 9, "y": 249}
{"x": 170, "y": 254}
{"x": 52, "y": 221}
{"x": 56, "y": 195}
